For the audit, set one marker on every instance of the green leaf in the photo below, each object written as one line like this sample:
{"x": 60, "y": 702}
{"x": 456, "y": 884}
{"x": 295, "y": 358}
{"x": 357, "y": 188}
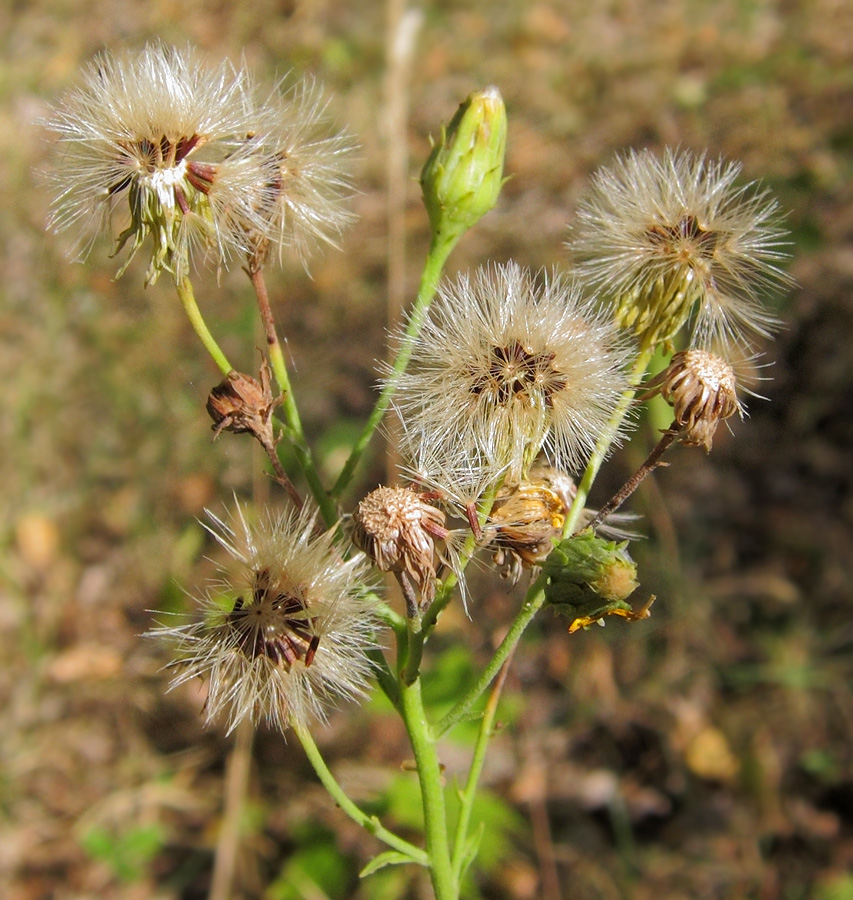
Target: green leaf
{"x": 472, "y": 847}
{"x": 127, "y": 853}
{"x": 315, "y": 869}
{"x": 388, "y": 858}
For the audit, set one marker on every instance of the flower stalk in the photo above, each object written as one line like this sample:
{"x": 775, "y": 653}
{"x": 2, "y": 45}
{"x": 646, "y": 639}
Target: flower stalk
{"x": 188, "y": 301}
{"x": 296, "y": 434}
{"x": 337, "y": 793}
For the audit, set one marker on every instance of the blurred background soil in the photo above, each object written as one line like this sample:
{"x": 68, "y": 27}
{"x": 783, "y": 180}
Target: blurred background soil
{"x": 704, "y": 753}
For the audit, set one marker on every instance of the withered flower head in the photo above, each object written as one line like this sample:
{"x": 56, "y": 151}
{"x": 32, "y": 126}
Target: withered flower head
{"x": 398, "y": 528}
{"x": 526, "y": 518}
{"x": 286, "y": 629}
{"x": 702, "y": 390}
{"x": 590, "y": 578}
{"x": 243, "y": 404}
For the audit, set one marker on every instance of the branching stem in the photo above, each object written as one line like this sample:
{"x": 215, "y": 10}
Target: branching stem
{"x": 670, "y": 436}
{"x": 299, "y": 443}
{"x": 369, "y": 823}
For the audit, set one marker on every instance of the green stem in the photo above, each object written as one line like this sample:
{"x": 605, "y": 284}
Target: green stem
{"x": 296, "y": 434}
{"x": 370, "y": 823}
{"x": 187, "y": 295}
{"x": 607, "y": 437}
{"x": 385, "y": 678}
{"x": 532, "y": 604}
{"x": 411, "y": 659}
{"x": 438, "y": 252}
{"x": 477, "y": 762}
{"x": 432, "y": 793}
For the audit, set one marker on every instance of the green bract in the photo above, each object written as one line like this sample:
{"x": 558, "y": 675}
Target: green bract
{"x": 585, "y": 559}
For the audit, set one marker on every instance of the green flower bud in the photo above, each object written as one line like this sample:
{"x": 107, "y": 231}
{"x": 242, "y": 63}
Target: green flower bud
{"x": 463, "y": 176}
{"x": 589, "y": 578}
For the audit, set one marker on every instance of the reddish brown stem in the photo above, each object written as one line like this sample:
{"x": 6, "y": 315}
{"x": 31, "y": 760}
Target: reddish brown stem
{"x": 652, "y": 462}
{"x": 256, "y": 274}
{"x": 280, "y": 475}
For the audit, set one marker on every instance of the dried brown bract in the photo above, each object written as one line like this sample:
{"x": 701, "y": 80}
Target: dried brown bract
{"x": 243, "y": 404}
{"x": 702, "y": 390}
{"x": 398, "y": 528}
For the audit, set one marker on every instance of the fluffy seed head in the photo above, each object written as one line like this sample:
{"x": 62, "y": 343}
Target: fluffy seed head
{"x": 160, "y": 145}
{"x": 674, "y": 238}
{"x": 286, "y": 629}
{"x": 504, "y": 366}
{"x": 142, "y": 140}
{"x": 303, "y": 200}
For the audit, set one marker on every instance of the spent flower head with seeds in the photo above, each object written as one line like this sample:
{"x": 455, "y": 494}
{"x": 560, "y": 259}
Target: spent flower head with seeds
{"x": 303, "y": 200}
{"x": 674, "y": 238}
{"x": 154, "y": 145}
{"x": 398, "y": 528}
{"x": 507, "y": 365}
{"x": 701, "y": 387}
{"x": 285, "y": 630}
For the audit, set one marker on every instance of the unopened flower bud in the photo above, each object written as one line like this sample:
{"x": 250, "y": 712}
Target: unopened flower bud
{"x": 589, "y": 578}
{"x": 463, "y": 176}
{"x": 242, "y": 404}
{"x": 702, "y": 390}
{"x": 586, "y": 558}
{"x": 397, "y": 528}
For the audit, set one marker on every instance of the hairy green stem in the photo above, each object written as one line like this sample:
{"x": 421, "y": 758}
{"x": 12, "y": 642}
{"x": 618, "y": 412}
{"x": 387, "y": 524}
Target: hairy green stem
{"x": 411, "y": 661}
{"x": 438, "y": 252}
{"x": 370, "y": 823}
{"x": 470, "y": 792}
{"x": 532, "y": 604}
{"x": 187, "y": 296}
{"x": 432, "y": 792}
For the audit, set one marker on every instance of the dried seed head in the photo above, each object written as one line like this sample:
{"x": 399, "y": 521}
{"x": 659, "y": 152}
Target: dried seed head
{"x": 702, "y": 390}
{"x": 243, "y": 404}
{"x": 398, "y": 529}
{"x": 285, "y": 630}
